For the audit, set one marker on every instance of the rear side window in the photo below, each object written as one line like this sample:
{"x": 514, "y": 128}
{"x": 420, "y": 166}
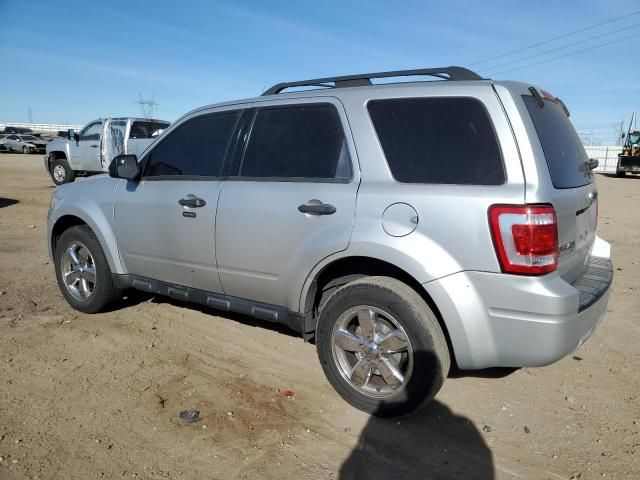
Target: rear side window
{"x": 447, "y": 140}
{"x": 141, "y": 129}
{"x": 563, "y": 150}
{"x": 198, "y": 147}
{"x": 303, "y": 141}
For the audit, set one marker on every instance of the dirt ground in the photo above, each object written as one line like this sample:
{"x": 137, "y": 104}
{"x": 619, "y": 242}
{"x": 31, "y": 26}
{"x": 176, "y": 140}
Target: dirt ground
{"x": 99, "y": 396}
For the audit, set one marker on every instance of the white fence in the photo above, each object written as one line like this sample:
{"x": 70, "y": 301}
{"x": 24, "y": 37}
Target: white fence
{"x": 606, "y": 155}
{"x": 42, "y": 127}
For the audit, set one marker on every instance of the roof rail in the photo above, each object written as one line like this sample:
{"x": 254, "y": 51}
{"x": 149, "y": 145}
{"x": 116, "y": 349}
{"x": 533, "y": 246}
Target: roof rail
{"x": 364, "y": 79}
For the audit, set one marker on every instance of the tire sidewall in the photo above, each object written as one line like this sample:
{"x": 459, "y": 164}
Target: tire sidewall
{"x": 100, "y": 296}
{"x": 68, "y": 174}
{"x": 429, "y": 370}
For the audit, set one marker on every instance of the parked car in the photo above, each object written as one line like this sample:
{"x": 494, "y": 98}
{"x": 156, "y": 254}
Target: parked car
{"x": 92, "y": 150}
{"x": 25, "y": 144}
{"x": 3, "y": 147}
{"x": 404, "y": 226}
{"x": 17, "y": 130}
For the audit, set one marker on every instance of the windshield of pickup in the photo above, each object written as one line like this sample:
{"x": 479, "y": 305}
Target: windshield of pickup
{"x": 146, "y": 129}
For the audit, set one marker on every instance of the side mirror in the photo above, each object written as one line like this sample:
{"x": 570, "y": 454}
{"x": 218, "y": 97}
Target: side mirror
{"x": 124, "y": 166}
{"x": 624, "y": 135}
{"x": 71, "y": 133}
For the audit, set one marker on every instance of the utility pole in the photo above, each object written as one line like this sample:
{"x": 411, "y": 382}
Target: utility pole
{"x": 30, "y": 114}
{"x": 147, "y": 107}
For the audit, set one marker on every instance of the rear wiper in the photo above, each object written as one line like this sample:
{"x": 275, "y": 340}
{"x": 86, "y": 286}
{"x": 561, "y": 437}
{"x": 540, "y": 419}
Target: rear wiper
{"x": 564, "y": 107}
{"x": 536, "y": 95}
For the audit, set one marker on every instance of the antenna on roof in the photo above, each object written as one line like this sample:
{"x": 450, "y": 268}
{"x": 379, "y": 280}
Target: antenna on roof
{"x": 147, "y": 107}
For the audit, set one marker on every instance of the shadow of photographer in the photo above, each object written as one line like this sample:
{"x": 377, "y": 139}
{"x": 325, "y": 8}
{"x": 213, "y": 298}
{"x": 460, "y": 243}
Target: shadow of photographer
{"x": 434, "y": 443}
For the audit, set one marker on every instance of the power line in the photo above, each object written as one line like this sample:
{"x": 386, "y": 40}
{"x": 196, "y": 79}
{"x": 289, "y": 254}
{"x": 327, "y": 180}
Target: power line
{"x": 567, "y": 54}
{"x": 560, "y": 48}
{"x": 555, "y": 38}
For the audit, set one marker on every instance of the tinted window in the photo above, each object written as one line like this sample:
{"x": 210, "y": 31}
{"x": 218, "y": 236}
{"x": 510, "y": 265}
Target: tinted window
{"x": 197, "y": 147}
{"x": 297, "y": 142}
{"x": 438, "y": 140}
{"x": 141, "y": 129}
{"x": 91, "y": 132}
{"x": 12, "y": 137}
{"x": 565, "y": 155}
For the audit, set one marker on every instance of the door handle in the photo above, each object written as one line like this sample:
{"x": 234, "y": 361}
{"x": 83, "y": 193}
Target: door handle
{"x": 317, "y": 208}
{"x": 192, "y": 201}
{"x": 93, "y": 146}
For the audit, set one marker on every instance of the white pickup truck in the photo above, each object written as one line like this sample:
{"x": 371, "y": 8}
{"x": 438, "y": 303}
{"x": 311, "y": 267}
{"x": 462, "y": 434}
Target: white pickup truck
{"x": 90, "y": 151}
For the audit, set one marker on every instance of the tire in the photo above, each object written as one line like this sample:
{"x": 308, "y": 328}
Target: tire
{"x": 60, "y": 172}
{"x": 92, "y": 267}
{"x": 620, "y": 173}
{"x": 407, "y": 326}
{"x": 25, "y": 150}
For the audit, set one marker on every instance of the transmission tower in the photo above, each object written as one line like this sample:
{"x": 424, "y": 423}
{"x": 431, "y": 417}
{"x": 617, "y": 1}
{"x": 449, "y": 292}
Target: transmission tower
{"x": 147, "y": 107}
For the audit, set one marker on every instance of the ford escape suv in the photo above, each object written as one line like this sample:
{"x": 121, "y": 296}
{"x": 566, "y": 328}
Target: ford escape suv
{"x": 403, "y": 225}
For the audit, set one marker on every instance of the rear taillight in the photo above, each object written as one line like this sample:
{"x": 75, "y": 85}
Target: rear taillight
{"x": 525, "y": 238}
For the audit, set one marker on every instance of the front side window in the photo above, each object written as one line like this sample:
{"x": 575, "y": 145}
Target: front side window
{"x": 91, "y": 131}
{"x": 198, "y": 147}
{"x": 302, "y": 141}
{"x": 441, "y": 140}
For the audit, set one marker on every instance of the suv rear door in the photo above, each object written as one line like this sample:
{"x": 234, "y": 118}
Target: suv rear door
{"x": 292, "y": 202}
{"x": 558, "y": 172}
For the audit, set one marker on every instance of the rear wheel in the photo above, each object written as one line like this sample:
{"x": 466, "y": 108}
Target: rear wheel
{"x": 381, "y": 347}
{"x": 61, "y": 172}
{"x": 82, "y": 271}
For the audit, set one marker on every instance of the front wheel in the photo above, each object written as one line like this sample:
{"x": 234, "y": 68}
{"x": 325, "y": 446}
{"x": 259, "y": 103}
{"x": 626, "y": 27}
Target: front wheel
{"x": 61, "y": 171}
{"x": 25, "y": 150}
{"x": 82, "y": 271}
{"x": 381, "y": 347}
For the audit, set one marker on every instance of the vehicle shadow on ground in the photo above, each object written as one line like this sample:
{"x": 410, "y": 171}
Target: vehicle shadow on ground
{"x": 628, "y": 175}
{"x": 7, "y": 202}
{"x": 135, "y": 297}
{"x": 434, "y": 443}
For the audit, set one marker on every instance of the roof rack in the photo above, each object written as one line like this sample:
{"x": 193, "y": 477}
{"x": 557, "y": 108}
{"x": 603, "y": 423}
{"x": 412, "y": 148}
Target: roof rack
{"x": 364, "y": 79}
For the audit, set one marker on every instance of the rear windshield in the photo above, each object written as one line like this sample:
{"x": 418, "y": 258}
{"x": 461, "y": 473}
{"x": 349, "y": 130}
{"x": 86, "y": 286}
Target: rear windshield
{"x": 146, "y": 129}
{"x": 445, "y": 140}
{"x": 565, "y": 155}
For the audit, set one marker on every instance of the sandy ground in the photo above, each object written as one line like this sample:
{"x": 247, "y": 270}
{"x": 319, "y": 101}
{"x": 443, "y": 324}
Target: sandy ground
{"x": 98, "y": 396}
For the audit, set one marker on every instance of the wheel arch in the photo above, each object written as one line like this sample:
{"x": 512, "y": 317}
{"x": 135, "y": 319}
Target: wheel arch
{"x": 104, "y": 235}
{"x": 55, "y": 155}
{"x": 345, "y": 269}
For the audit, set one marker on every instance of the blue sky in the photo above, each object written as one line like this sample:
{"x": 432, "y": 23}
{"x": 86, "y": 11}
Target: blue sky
{"x": 75, "y": 61}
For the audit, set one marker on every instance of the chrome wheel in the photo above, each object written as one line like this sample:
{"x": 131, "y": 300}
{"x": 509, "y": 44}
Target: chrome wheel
{"x": 78, "y": 271}
{"x": 59, "y": 173}
{"x": 372, "y": 351}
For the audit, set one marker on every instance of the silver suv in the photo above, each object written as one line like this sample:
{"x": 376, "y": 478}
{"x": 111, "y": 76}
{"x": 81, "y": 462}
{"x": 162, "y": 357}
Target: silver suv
{"x": 403, "y": 226}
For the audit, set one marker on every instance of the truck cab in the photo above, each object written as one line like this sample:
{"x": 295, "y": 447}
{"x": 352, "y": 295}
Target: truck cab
{"x": 91, "y": 150}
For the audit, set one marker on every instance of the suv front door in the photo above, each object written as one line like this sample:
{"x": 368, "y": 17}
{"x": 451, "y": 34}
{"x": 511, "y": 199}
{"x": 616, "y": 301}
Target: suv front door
{"x": 292, "y": 202}
{"x": 165, "y": 223}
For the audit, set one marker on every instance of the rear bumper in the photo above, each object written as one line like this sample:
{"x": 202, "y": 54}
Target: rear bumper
{"x": 500, "y": 320}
